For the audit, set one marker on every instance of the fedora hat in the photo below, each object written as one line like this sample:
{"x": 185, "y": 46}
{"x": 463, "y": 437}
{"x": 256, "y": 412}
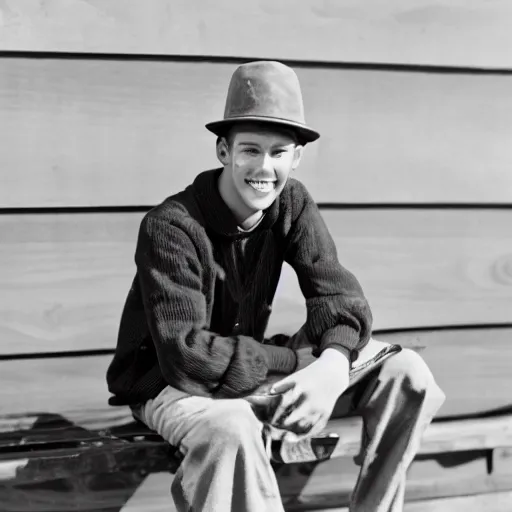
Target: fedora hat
{"x": 265, "y": 92}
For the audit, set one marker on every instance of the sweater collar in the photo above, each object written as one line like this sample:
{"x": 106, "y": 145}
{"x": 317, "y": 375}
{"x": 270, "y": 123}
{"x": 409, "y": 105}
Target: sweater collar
{"x": 217, "y": 214}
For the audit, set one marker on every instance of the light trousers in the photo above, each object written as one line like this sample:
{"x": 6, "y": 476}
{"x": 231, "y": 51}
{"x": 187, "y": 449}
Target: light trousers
{"x": 225, "y": 467}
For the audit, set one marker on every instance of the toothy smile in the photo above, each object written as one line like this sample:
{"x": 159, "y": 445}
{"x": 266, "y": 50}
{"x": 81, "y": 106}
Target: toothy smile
{"x": 262, "y": 186}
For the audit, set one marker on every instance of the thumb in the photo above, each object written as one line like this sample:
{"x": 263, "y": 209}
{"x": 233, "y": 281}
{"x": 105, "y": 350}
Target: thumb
{"x": 282, "y": 386}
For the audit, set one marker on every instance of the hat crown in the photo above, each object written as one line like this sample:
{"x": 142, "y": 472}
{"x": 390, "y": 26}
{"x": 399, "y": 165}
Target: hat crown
{"x": 265, "y": 92}
{"x": 265, "y": 89}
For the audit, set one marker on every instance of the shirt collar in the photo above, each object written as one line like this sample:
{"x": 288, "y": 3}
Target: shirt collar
{"x": 217, "y": 214}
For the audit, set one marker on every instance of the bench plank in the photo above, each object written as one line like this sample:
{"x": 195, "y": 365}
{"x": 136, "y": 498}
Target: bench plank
{"x": 127, "y": 131}
{"x": 441, "y": 437}
{"x": 75, "y": 441}
{"x": 302, "y": 487}
{"x": 434, "y": 33}
{"x": 333, "y": 481}
{"x": 491, "y": 502}
{"x": 73, "y": 451}
{"x": 64, "y": 277}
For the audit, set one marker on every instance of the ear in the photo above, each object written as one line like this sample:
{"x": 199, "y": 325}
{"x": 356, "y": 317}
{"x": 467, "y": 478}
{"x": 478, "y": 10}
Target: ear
{"x": 222, "y": 151}
{"x": 297, "y": 155}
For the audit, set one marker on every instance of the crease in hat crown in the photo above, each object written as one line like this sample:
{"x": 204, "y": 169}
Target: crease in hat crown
{"x": 265, "y": 92}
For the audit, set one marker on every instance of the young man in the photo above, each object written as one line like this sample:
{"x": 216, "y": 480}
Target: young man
{"x": 192, "y": 350}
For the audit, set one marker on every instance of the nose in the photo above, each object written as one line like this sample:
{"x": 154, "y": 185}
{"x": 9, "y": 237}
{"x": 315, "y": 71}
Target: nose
{"x": 267, "y": 164}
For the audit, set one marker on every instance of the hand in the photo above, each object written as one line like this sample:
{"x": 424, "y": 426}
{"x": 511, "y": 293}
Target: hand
{"x": 304, "y": 358}
{"x": 303, "y": 348}
{"x": 308, "y": 396}
{"x": 263, "y": 403}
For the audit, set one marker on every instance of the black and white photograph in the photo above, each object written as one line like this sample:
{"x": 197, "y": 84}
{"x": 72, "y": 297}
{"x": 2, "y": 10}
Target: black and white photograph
{"x": 255, "y": 256}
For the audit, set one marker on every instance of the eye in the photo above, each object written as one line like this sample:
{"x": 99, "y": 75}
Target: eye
{"x": 278, "y": 153}
{"x": 251, "y": 151}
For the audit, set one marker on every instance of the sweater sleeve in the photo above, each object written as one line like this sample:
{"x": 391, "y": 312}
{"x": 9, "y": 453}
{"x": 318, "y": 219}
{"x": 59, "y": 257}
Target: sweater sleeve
{"x": 191, "y": 357}
{"x": 338, "y": 314}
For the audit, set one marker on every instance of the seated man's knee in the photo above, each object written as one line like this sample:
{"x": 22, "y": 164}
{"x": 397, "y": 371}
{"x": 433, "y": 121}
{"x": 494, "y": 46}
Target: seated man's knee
{"x": 410, "y": 366}
{"x": 232, "y": 421}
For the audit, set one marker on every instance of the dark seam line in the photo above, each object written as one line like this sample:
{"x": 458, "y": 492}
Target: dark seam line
{"x": 440, "y": 328}
{"x": 299, "y": 63}
{"x": 110, "y": 351}
{"x": 58, "y": 355}
{"x": 73, "y": 209}
{"x": 414, "y": 206}
{"x": 322, "y": 206}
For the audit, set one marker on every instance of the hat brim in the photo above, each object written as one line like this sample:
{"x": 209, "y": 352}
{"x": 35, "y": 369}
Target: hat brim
{"x": 304, "y": 133}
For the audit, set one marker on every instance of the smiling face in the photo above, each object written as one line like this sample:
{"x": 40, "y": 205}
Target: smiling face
{"x": 257, "y": 162}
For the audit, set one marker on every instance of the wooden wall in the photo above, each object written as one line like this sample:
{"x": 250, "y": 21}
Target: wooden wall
{"x": 102, "y": 112}
{"x": 103, "y": 106}
{"x": 425, "y": 32}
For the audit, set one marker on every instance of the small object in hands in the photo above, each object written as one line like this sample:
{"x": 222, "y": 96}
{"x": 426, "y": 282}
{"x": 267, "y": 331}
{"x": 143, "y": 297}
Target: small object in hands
{"x": 316, "y": 448}
{"x": 264, "y": 405}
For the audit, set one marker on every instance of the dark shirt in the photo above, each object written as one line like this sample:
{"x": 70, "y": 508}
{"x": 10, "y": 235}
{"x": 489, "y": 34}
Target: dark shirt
{"x": 196, "y": 314}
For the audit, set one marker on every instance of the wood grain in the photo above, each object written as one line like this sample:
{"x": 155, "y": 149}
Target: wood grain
{"x": 440, "y": 437}
{"x": 491, "y": 502}
{"x": 86, "y": 132}
{"x": 64, "y": 280}
{"x": 53, "y": 434}
{"x": 433, "y": 33}
{"x": 329, "y": 485}
{"x": 426, "y": 479}
{"x": 418, "y": 268}
{"x": 471, "y": 366}
{"x": 444, "y": 437}
{"x": 65, "y": 277}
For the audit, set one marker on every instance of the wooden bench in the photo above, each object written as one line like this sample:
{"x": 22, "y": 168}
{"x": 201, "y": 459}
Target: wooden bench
{"x": 74, "y": 449}
{"x": 40, "y": 452}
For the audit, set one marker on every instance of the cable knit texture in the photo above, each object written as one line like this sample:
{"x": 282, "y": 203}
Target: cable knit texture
{"x": 196, "y": 314}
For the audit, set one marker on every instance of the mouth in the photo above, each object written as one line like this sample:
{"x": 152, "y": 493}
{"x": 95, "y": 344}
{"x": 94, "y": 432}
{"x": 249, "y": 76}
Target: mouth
{"x": 264, "y": 186}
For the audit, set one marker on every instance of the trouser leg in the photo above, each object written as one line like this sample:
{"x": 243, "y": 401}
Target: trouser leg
{"x": 398, "y": 403}
{"x": 225, "y": 466}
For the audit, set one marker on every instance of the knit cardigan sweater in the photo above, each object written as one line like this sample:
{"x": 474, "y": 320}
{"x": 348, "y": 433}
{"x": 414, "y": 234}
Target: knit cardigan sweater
{"x": 196, "y": 314}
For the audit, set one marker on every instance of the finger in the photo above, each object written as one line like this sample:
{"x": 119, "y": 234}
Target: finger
{"x": 282, "y": 386}
{"x": 319, "y": 426}
{"x": 283, "y": 409}
{"x": 303, "y": 424}
{"x": 300, "y": 414}
{"x": 289, "y": 401}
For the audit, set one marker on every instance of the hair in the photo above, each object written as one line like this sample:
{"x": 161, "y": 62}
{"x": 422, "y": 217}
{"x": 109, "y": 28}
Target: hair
{"x": 229, "y": 133}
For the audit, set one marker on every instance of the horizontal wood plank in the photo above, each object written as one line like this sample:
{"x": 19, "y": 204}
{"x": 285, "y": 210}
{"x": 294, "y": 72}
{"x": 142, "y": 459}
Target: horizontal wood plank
{"x": 434, "y": 33}
{"x": 490, "y": 502}
{"x": 472, "y": 368}
{"x": 332, "y": 482}
{"x": 417, "y": 268}
{"x": 444, "y": 437}
{"x": 152, "y": 494}
{"x": 302, "y": 488}
{"x": 65, "y": 277}
{"x": 52, "y": 433}
{"x": 111, "y": 132}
